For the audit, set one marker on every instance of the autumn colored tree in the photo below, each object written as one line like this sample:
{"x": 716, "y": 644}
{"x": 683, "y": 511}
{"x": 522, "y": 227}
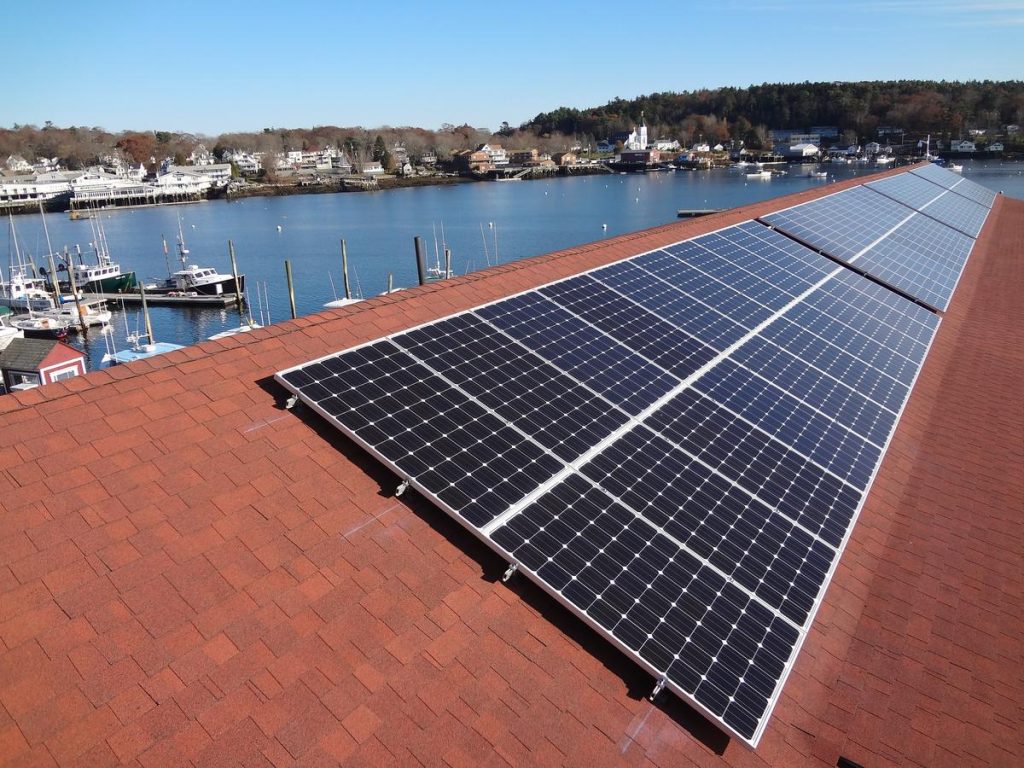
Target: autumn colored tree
{"x": 139, "y": 147}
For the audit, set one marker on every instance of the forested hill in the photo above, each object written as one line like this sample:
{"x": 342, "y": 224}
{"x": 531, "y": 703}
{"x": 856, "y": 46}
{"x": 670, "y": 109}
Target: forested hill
{"x": 913, "y": 105}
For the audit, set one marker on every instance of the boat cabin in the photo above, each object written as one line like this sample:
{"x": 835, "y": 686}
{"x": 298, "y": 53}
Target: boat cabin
{"x": 28, "y": 363}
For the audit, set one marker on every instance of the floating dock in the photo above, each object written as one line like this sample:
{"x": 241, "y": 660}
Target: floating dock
{"x": 163, "y": 300}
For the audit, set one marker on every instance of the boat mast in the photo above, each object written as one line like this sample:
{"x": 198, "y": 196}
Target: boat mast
{"x": 182, "y": 250}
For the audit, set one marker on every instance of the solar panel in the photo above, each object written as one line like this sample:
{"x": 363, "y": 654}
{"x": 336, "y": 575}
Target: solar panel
{"x": 913, "y": 191}
{"x": 922, "y": 257}
{"x": 904, "y": 230}
{"x": 935, "y": 201}
{"x": 957, "y": 183}
{"x": 674, "y": 446}
{"x": 843, "y": 224}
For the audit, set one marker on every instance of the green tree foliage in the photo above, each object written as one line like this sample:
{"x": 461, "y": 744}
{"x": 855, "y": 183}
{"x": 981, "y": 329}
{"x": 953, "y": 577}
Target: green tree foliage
{"x": 915, "y": 105}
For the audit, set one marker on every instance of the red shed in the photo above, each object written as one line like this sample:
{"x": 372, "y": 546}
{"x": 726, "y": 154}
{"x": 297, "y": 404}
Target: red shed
{"x": 27, "y": 363}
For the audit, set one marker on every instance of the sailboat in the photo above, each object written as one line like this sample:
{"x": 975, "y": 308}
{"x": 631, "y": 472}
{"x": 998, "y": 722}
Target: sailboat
{"x": 21, "y": 292}
{"x": 143, "y": 345}
{"x": 348, "y": 298}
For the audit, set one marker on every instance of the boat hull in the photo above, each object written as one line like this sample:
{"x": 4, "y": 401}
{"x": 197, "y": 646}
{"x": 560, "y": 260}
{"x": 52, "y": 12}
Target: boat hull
{"x": 122, "y": 283}
{"x": 220, "y": 288}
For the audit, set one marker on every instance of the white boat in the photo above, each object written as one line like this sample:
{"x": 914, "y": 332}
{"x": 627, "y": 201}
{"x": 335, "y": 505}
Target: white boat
{"x": 340, "y": 303}
{"x": 251, "y": 325}
{"x": 42, "y": 327}
{"x": 884, "y": 159}
{"x": 142, "y": 343}
{"x": 192, "y": 279}
{"x": 817, "y": 174}
{"x": 24, "y": 293}
{"x": 138, "y": 352}
{"x": 955, "y": 168}
{"x": 8, "y": 333}
{"x": 760, "y": 175}
{"x": 92, "y": 313}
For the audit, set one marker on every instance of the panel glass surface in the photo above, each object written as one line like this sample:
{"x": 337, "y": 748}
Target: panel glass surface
{"x": 954, "y": 181}
{"x": 675, "y": 446}
{"x": 923, "y": 258}
{"x": 961, "y": 213}
{"x": 843, "y": 224}
{"x": 913, "y": 191}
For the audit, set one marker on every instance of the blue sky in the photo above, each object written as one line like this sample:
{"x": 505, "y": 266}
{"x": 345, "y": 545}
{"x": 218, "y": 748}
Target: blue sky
{"x": 214, "y": 67}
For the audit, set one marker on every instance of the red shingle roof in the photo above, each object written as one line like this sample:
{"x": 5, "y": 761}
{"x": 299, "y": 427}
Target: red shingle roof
{"x": 189, "y": 574}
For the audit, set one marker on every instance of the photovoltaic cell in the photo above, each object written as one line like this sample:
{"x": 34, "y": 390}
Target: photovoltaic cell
{"x": 843, "y": 224}
{"x": 913, "y": 191}
{"x": 675, "y": 445}
{"x": 957, "y": 183}
{"x": 923, "y": 258}
{"x": 961, "y": 213}
{"x": 909, "y": 238}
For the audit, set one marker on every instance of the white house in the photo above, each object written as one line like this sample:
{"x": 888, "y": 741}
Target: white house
{"x": 996, "y": 146}
{"x": 872, "y": 147}
{"x": 701, "y": 146}
{"x": 962, "y": 146}
{"x": 21, "y": 190}
{"x": 666, "y": 145}
{"x": 179, "y": 182}
{"x": 219, "y": 174}
{"x": 802, "y": 150}
{"x": 18, "y": 164}
{"x": 497, "y": 154}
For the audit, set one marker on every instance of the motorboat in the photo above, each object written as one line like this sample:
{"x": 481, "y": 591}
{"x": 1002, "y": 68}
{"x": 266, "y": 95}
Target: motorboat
{"x": 192, "y": 279}
{"x": 42, "y": 327}
{"x": 91, "y": 313}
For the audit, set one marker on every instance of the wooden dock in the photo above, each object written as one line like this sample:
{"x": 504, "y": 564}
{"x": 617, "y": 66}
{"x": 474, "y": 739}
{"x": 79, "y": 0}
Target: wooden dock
{"x": 163, "y": 300}
{"x": 692, "y": 213}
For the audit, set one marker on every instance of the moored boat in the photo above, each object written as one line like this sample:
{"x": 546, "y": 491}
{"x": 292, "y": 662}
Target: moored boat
{"x": 42, "y": 327}
{"x": 193, "y": 279}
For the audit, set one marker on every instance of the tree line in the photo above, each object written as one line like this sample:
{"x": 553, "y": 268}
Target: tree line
{"x": 916, "y": 106}
{"x": 944, "y": 109}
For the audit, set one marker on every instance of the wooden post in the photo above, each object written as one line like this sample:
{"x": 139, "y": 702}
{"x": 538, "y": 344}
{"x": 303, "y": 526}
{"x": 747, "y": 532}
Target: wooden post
{"x": 291, "y": 286}
{"x": 234, "y": 273}
{"x": 344, "y": 269}
{"x": 74, "y": 291}
{"x": 390, "y": 281}
{"x": 54, "y": 280}
{"x": 421, "y": 263}
{"x": 447, "y": 263}
{"x": 145, "y": 313}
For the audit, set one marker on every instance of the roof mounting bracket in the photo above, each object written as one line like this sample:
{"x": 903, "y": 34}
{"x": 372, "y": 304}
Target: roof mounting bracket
{"x": 510, "y": 572}
{"x": 402, "y": 487}
{"x": 658, "y": 686}
{"x": 291, "y": 402}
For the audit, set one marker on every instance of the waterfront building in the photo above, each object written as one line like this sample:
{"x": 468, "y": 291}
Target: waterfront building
{"x": 29, "y": 363}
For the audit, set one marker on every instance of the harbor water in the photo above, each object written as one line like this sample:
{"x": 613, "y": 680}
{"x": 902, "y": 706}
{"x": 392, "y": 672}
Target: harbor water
{"x": 481, "y": 223}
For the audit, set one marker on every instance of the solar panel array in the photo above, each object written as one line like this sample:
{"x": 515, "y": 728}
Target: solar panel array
{"x": 912, "y": 231}
{"x": 674, "y": 446}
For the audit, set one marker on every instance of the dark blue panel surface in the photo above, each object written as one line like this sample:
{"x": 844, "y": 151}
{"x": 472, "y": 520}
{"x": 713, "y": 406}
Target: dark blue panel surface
{"x": 677, "y": 614}
{"x": 843, "y": 224}
{"x": 640, "y": 330}
{"x": 587, "y": 354}
{"x": 466, "y": 457}
{"x": 520, "y": 387}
